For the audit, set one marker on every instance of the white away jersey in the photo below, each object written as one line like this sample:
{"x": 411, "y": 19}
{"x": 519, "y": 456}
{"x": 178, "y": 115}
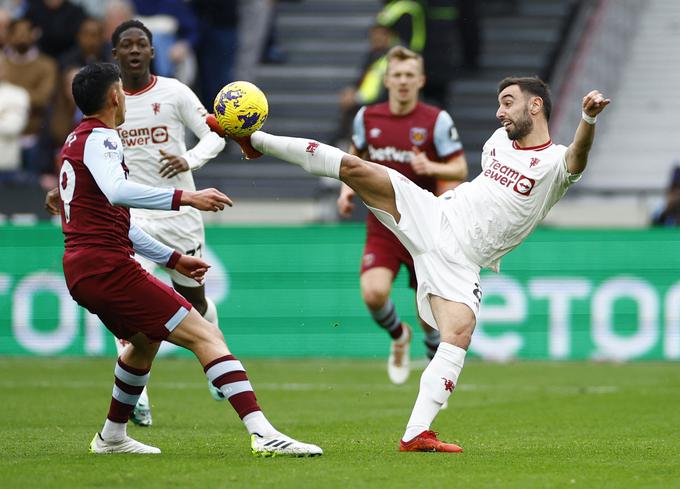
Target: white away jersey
{"x": 155, "y": 119}
{"x": 493, "y": 213}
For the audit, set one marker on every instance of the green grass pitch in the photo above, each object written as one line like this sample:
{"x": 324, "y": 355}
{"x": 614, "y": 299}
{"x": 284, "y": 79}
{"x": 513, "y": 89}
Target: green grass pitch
{"x": 522, "y": 425}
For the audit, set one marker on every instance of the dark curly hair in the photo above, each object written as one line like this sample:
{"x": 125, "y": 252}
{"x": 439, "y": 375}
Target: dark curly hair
{"x": 130, "y": 24}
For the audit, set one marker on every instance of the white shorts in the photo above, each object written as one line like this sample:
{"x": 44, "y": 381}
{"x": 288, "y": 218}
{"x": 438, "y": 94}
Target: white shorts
{"x": 183, "y": 233}
{"x": 442, "y": 269}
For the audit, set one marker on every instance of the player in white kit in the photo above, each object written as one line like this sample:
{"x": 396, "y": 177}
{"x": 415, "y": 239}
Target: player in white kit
{"x": 158, "y": 112}
{"x": 453, "y": 236}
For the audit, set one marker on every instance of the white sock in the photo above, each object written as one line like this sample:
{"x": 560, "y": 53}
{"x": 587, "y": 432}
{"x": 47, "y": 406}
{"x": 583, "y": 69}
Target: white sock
{"x": 436, "y": 385}
{"x": 113, "y": 431}
{"x": 256, "y": 422}
{"x": 211, "y": 312}
{"x": 314, "y": 157}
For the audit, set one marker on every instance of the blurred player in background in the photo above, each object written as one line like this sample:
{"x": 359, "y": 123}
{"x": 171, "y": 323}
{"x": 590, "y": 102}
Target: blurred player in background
{"x": 453, "y": 236}
{"x": 159, "y": 110}
{"x": 102, "y": 276}
{"x": 421, "y": 142}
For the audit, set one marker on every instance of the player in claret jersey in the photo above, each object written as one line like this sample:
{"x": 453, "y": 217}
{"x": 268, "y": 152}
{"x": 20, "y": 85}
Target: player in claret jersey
{"x": 102, "y": 276}
{"x": 453, "y": 236}
{"x": 159, "y": 111}
{"x": 421, "y": 142}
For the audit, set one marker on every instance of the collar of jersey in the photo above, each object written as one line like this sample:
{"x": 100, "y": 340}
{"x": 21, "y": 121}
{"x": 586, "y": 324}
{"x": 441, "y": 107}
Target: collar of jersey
{"x": 146, "y": 88}
{"x": 532, "y": 148}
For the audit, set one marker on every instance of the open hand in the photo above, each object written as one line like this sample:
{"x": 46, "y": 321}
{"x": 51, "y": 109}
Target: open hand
{"x": 172, "y": 164}
{"x": 192, "y": 267}
{"x": 209, "y": 199}
{"x": 594, "y": 103}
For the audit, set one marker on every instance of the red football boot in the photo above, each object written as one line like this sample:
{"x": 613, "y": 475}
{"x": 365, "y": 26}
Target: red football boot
{"x": 427, "y": 442}
{"x": 244, "y": 142}
{"x": 215, "y": 126}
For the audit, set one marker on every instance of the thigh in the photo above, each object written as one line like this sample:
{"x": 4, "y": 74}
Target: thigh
{"x": 371, "y": 182}
{"x": 419, "y": 226}
{"x": 129, "y": 300}
{"x": 380, "y": 252}
{"x": 454, "y": 281}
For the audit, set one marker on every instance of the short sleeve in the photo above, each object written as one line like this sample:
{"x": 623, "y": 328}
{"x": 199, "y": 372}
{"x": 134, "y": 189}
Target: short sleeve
{"x": 566, "y": 179}
{"x": 446, "y": 139}
{"x": 359, "y": 130}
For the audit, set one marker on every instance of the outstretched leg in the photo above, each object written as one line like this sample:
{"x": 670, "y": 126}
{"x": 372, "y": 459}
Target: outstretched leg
{"x": 206, "y": 308}
{"x": 228, "y": 375}
{"x": 370, "y": 180}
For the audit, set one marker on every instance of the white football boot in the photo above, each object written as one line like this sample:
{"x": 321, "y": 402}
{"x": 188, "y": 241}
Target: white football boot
{"x": 399, "y": 361}
{"x": 282, "y": 445}
{"x": 126, "y": 445}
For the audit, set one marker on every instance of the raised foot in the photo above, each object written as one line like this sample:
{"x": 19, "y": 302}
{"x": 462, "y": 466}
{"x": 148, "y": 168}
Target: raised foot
{"x": 244, "y": 142}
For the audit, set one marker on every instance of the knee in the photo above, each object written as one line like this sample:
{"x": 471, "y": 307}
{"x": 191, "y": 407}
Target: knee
{"x": 460, "y": 335}
{"x": 375, "y": 299}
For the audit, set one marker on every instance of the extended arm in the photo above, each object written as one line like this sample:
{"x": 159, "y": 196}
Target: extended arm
{"x": 106, "y": 167}
{"x": 151, "y": 248}
{"x": 210, "y": 144}
{"x": 193, "y": 114}
{"x": 577, "y": 153}
{"x": 157, "y": 252}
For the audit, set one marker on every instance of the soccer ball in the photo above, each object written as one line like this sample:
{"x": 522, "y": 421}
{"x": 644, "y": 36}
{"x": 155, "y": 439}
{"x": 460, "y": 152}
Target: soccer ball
{"x": 241, "y": 108}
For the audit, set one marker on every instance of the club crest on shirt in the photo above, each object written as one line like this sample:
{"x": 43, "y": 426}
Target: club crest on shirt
{"x": 418, "y": 135}
{"x": 374, "y": 132}
{"x": 524, "y": 185}
{"x": 156, "y": 107}
{"x": 533, "y": 162}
